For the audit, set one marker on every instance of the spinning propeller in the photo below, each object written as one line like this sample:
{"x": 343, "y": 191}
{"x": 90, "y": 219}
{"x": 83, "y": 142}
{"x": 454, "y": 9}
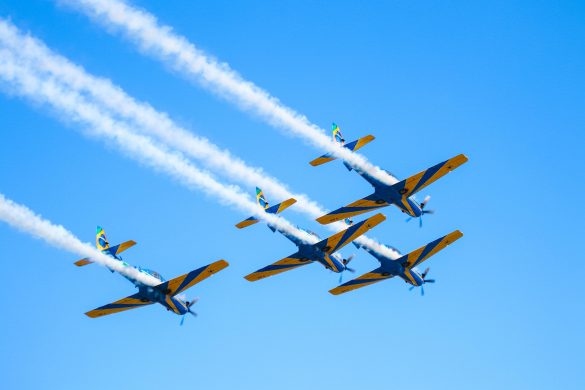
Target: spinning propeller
{"x": 422, "y": 208}
{"x": 423, "y": 275}
{"x": 345, "y": 263}
{"x": 189, "y": 304}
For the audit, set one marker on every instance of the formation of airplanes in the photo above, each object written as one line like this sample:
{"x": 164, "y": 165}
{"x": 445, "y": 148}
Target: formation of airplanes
{"x": 310, "y": 248}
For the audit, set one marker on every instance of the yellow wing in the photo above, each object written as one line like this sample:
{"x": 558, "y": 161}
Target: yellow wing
{"x": 131, "y": 302}
{"x": 183, "y": 282}
{"x": 364, "y": 205}
{"x": 422, "y": 179}
{"x": 371, "y": 277}
{"x": 416, "y": 257}
{"x": 344, "y": 237}
{"x": 286, "y": 264}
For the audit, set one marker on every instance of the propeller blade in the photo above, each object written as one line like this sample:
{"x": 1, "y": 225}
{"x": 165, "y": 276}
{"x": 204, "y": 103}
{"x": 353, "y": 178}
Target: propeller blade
{"x": 426, "y": 271}
{"x": 420, "y": 222}
{"x": 429, "y": 280}
{"x": 411, "y": 288}
{"x": 350, "y": 270}
{"x": 350, "y": 258}
{"x": 340, "y": 277}
{"x": 422, "y": 291}
{"x": 182, "y": 319}
{"x": 408, "y": 219}
{"x": 428, "y": 211}
{"x": 193, "y": 313}
{"x": 425, "y": 201}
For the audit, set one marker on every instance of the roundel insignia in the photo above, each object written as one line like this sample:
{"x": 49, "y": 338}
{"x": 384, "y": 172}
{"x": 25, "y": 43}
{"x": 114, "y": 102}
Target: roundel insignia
{"x": 403, "y": 191}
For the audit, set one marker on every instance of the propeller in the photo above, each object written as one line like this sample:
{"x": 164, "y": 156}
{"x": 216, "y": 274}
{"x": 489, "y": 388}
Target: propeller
{"x": 423, "y": 211}
{"x": 425, "y": 281}
{"x": 189, "y": 304}
{"x": 345, "y": 263}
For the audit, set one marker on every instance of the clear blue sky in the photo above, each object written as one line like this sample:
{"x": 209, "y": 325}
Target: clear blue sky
{"x": 501, "y": 81}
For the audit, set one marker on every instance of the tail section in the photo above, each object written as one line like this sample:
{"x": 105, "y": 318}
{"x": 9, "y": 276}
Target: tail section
{"x": 338, "y": 138}
{"x": 101, "y": 241}
{"x": 276, "y": 209}
{"x": 102, "y": 244}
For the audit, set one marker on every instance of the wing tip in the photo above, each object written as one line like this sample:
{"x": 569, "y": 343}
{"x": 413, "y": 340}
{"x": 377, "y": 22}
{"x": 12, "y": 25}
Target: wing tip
{"x": 337, "y": 291}
{"x": 251, "y": 278}
{"x": 376, "y": 219}
{"x": 325, "y": 219}
{"x": 455, "y": 235}
{"x": 223, "y": 263}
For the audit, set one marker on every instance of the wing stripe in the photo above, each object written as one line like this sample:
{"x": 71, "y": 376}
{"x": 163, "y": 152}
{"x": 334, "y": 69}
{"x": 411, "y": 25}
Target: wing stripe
{"x": 360, "y": 206}
{"x": 371, "y": 277}
{"x": 127, "y": 303}
{"x": 286, "y": 264}
{"x": 429, "y": 173}
{"x": 416, "y": 257}
{"x": 340, "y": 239}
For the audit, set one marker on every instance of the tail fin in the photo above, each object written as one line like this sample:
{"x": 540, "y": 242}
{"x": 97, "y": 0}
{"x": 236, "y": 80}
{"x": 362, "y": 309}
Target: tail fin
{"x": 101, "y": 242}
{"x": 276, "y": 209}
{"x": 338, "y": 137}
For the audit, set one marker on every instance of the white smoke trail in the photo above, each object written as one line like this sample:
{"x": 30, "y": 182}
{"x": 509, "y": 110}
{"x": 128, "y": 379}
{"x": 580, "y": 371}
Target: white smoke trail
{"x": 176, "y": 51}
{"x": 25, "y": 220}
{"x": 72, "y": 106}
{"x": 146, "y": 119}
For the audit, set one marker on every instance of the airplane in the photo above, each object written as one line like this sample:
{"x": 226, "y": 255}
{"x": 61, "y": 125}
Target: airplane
{"x": 404, "y": 267}
{"x": 338, "y": 138}
{"x": 399, "y": 194}
{"x": 322, "y": 251}
{"x": 161, "y": 291}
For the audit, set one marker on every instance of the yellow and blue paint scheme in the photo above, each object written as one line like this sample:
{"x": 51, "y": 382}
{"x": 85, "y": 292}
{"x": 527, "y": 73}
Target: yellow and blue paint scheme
{"x": 276, "y": 209}
{"x": 159, "y": 291}
{"x": 323, "y": 251}
{"x": 399, "y": 194}
{"x": 403, "y": 267}
{"x": 338, "y": 138}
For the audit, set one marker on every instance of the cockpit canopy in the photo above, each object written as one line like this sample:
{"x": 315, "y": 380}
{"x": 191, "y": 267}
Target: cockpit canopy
{"x": 153, "y": 274}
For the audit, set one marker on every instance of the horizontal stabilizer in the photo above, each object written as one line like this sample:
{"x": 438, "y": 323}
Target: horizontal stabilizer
{"x": 353, "y": 146}
{"x": 247, "y": 222}
{"x": 276, "y": 209}
{"x": 117, "y": 249}
{"x": 82, "y": 262}
{"x": 179, "y": 284}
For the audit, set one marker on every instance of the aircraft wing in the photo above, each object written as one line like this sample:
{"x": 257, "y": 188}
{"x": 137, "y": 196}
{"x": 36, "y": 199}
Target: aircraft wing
{"x": 371, "y": 277}
{"x": 131, "y": 302}
{"x": 416, "y": 257}
{"x": 344, "y": 237}
{"x": 286, "y": 264}
{"x": 179, "y": 284}
{"x": 370, "y": 202}
{"x": 422, "y": 179}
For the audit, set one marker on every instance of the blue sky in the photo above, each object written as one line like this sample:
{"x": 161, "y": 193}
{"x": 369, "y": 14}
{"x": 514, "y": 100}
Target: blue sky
{"x": 500, "y": 81}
